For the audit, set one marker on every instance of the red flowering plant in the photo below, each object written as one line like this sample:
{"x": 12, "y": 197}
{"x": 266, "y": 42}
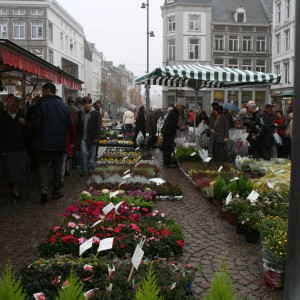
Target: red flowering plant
{"x": 140, "y": 199}
{"x": 126, "y": 225}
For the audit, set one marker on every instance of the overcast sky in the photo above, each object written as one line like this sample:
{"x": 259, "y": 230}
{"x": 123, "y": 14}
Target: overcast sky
{"x": 118, "y": 28}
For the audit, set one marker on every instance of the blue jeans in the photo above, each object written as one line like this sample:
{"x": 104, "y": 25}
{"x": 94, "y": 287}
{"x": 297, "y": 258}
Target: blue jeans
{"x": 88, "y": 154}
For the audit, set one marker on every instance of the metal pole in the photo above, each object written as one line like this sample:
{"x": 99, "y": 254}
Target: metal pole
{"x": 292, "y": 274}
{"x": 147, "y": 86}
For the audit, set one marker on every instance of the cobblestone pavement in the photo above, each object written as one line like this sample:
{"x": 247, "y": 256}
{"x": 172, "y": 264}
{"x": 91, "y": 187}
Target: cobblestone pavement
{"x": 208, "y": 237}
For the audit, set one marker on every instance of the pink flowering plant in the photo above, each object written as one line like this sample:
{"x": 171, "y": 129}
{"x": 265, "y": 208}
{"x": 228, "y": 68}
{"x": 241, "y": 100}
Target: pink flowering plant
{"x": 127, "y": 225}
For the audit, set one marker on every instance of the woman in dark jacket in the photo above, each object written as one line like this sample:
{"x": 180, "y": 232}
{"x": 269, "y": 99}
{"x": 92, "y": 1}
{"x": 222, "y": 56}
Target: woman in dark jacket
{"x": 13, "y": 145}
{"x": 140, "y": 124}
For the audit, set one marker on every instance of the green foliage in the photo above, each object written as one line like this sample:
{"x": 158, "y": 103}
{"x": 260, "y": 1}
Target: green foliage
{"x": 220, "y": 187}
{"x": 11, "y": 287}
{"x": 184, "y": 154}
{"x": 74, "y": 290}
{"x": 149, "y": 289}
{"x": 221, "y": 287}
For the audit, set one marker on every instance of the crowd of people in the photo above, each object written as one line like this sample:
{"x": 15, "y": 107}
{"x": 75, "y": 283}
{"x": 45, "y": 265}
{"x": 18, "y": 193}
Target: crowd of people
{"x": 50, "y": 134}
{"x": 58, "y": 135}
{"x": 265, "y": 130}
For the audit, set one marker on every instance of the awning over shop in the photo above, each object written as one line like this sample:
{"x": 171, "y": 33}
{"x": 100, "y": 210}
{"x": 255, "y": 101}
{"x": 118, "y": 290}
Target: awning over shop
{"x": 287, "y": 94}
{"x": 14, "y": 57}
{"x": 199, "y": 76}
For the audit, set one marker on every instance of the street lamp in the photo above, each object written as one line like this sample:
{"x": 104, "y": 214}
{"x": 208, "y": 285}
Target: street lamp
{"x": 151, "y": 34}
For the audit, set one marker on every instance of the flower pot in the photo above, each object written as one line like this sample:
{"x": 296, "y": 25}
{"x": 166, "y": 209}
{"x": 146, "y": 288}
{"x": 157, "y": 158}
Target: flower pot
{"x": 252, "y": 236}
{"x": 231, "y": 218}
{"x": 273, "y": 278}
{"x": 219, "y": 206}
{"x": 240, "y": 228}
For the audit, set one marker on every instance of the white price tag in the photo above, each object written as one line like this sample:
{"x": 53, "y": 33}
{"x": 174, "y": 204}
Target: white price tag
{"x": 125, "y": 157}
{"x": 126, "y": 176}
{"x": 109, "y": 288}
{"x": 86, "y": 245}
{"x": 207, "y": 159}
{"x": 111, "y": 269}
{"x": 118, "y": 205}
{"x": 228, "y": 198}
{"x": 126, "y": 172}
{"x": 113, "y": 194}
{"x": 270, "y": 185}
{"x": 219, "y": 170}
{"x": 233, "y": 179}
{"x": 158, "y": 181}
{"x": 137, "y": 164}
{"x": 173, "y": 286}
{"x": 253, "y": 196}
{"x": 106, "y": 244}
{"x": 76, "y": 216}
{"x": 122, "y": 183}
{"x": 108, "y": 208}
{"x": 193, "y": 154}
{"x": 136, "y": 149}
{"x": 137, "y": 256}
{"x": 96, "y": 223}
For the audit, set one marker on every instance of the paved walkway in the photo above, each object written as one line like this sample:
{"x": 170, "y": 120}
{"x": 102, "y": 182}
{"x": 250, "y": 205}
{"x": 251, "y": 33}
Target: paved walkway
{"x": 26, "y": 223}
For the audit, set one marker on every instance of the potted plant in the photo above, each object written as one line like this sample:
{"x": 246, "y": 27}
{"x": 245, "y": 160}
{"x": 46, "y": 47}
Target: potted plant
{"x": 251, "y": 219}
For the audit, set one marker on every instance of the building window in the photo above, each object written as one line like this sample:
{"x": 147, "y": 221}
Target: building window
{"x": 277, "y": 41}
{"x": 50, "y": 56}
{"x": 3, "y": 29}
{"x": 278, "y": 13}
{"x": 38, "y": 52}
{"x": 247, "y": 43}
{"x": 194, "y": 49}
{"x": 67, "y": 43}
{"x": 194, "y": 23}
{"x": 3, "y": 11}
{"x": 36, "y": 12}
{"x": 171, "y": 50}
{"x": 233, "y": 63}
{"x": 287, "y": 39}
{"x": 75, "y": 49}
{"x": 261, "y": 44}
{"x": 277, "y": 69}
{"x": 71, "y": 46}
{"x": 219, "y": 62}
{"x": 19, "y": 30}
{"x": 233, "y": 43}
{"x": 170, "y": 1}
{"x": 50, "y": 32}
{"x": 37, "y": 30}
{"x": 286, "y": 68}
{"x": 219, "y": 42}
{"x": 260, "y": 66}
{"x": 19, "y": 12}
{"x": 241, "y": 17}
{"x": 288, "y": 8}
{"x": 61, "y": 40}
{"x": 247, "y": 64}
{"x": 171, "y": 23}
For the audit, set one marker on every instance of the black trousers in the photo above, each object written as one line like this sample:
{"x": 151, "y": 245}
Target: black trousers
{"x": 167, "y": 148}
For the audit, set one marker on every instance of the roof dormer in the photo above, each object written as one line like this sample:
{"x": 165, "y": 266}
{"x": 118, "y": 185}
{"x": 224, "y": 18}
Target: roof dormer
{"x": 240, "y": 15}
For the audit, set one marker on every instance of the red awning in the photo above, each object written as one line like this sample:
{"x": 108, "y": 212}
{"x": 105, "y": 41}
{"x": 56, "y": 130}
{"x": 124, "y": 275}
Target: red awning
{"x": 25, "y": 64}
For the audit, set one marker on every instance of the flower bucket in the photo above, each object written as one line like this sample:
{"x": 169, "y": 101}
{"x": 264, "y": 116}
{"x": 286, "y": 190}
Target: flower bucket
{"x": 252, "y": 236}
{"x": 273, "y": 261}
{"x": 273, "y": 278}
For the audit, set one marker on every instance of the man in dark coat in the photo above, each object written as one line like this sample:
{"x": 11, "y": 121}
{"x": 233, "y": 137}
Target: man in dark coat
{"x": 260, "y": 135}
{"x": 88, "y": 134}
{"x": 169, "y": 133}
{"x": 51, "y": 119}
{"x": 151, "y": 127}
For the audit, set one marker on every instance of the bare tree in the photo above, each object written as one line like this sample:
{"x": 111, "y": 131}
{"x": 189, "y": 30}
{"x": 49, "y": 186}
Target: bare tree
{"x": 118, "y": 95}
{"x": 135, "y": 97}
{"x": 104, "y": 89}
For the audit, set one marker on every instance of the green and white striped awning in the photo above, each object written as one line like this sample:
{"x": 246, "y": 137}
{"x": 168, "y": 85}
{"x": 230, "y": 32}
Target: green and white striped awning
{"x": 199, "y": 76}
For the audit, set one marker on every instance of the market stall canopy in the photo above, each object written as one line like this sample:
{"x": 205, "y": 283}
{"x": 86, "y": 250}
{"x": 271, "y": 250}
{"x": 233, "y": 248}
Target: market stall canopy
{"x": 14, "y": 60}
{"x": 287, "y": 94}
{"x": 197, "y": 76}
